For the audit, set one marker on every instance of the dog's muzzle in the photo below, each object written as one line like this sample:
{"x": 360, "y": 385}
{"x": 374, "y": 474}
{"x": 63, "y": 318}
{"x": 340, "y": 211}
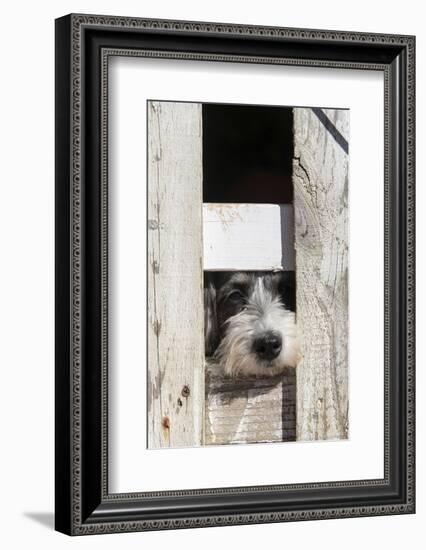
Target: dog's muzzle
{"x": 267, "y": 346}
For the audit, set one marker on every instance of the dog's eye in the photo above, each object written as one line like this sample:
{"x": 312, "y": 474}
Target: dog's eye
{"x": 235, "y": 296}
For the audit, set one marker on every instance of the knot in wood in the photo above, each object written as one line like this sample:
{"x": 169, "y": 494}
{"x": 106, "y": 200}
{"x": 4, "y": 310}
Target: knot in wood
{"x": 185, "y": 391}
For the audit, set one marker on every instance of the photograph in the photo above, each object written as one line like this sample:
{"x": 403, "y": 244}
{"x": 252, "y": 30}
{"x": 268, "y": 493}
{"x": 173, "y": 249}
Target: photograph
{"x": 272, "y": 183}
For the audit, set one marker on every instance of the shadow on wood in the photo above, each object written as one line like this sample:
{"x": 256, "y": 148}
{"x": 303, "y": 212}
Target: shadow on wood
{"x": 249, "y": 410}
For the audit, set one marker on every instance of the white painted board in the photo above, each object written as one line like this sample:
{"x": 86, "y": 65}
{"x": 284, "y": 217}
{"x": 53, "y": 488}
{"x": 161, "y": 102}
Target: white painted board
{"x": 248, "y": 237}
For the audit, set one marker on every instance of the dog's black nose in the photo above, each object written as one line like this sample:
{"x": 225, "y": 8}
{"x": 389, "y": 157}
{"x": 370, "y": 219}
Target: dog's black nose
{"x": 268, "y": 345}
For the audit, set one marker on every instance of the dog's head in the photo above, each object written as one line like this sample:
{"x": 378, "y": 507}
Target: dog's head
{"x": 250, "y": 324}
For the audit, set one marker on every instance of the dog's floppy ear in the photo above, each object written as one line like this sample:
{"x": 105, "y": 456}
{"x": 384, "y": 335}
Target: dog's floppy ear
{"x": 287, "y": 289}
{"x": 211, "y": 331}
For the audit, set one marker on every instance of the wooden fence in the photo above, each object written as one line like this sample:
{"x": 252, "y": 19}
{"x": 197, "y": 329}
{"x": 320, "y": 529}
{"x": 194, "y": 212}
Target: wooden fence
{"x": 191, "y": 403}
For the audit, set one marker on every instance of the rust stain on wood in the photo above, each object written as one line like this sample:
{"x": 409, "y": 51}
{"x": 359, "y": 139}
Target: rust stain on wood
{"x": 165, "y": 422}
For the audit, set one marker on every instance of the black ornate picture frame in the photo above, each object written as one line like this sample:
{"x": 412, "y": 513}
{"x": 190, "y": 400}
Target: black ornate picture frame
{"x": 84, "y": 43}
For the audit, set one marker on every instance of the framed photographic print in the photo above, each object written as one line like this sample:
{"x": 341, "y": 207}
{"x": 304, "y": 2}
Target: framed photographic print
{"x": 234, "y": 274}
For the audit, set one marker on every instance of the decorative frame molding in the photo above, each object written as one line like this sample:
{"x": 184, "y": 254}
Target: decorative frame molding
{"x": 84, "y": 44}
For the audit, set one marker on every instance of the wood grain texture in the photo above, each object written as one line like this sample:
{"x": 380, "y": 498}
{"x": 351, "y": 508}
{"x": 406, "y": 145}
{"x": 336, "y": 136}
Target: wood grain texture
{"x": 248, "y": 237}
{"x": 175, "y": 276}
{"x": 320, "y": 176}
{"x": 249, "y": 410}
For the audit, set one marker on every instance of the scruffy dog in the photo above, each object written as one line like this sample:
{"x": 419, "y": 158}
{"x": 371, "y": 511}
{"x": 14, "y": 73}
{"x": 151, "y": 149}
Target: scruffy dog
{"x": 250, "y": 327}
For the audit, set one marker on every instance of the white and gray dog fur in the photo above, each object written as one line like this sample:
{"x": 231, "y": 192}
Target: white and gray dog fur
{"x": 250, "y": 326}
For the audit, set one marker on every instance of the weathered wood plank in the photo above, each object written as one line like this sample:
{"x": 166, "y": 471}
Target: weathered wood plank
{"x": 248, "y": 237}
{"x": 249, "y": 410}
{"x": 320, "y": 177}
{"x": 175, "y": 276}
